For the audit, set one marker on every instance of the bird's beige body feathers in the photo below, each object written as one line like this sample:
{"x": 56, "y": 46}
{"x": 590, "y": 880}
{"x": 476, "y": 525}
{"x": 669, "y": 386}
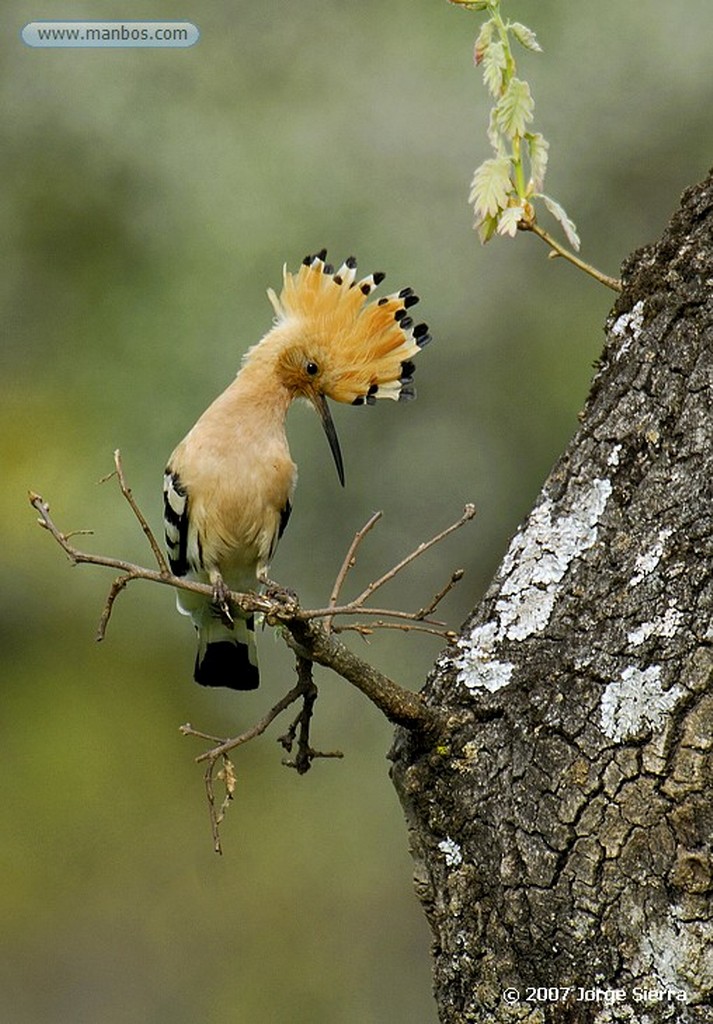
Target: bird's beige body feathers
{"x": 236, "y": 465}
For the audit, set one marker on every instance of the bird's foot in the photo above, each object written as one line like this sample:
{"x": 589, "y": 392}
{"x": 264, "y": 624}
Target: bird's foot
{"x": 221, "y": 599}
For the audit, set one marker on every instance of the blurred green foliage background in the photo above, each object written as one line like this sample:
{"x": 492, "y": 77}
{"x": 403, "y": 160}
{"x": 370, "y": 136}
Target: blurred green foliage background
{"x": 147, "y": 199}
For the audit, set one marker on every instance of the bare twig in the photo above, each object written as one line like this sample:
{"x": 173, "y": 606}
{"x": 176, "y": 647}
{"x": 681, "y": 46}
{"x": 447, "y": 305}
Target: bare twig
{"x": 416, "y": 621}
{"x": 126, "y": 491}
{"x": 306, "y": 754}
{"x": 349, "y": 563}
{"x": 227, "y": 773}
{"x": 304, "y": 688}
{"x": 188, "y": 730}
{"x": 227, "y": 776}
{"x": 456, "y": 577}
{"x": 468, "y": 514}
{"x": 356, "y": 608}
{"x": 130, "y": 571}
{"x": 224, "y": 746}
{"x": 368, "y": 629}
{"x": 559, "y": 250}
{"x": 116, "y": 588}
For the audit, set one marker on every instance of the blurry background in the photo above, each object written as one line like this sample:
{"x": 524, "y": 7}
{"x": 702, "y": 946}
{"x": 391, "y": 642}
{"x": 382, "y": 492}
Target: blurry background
{"x": 147, "y": 200}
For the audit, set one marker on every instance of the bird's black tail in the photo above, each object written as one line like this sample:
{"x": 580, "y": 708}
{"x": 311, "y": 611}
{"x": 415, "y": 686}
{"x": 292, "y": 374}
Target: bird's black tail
{"x": 226, "y": 663}
{"x": 228, "y": 657}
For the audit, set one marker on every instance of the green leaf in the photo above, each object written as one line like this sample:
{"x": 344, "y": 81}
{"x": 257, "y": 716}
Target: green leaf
{"x": 484, "y": 41}
{"x": 472, "y": 5}
{"x": 568, "y": 226}
{"x": 494, "y": 136}
{"x": 515, "y": 108}
{"x": 494, "y": 64}
{"x": 490, "y": 187}
{"x": 486, "y": 228}
{"x": 538, "y": 148}
{"x": 509, "y": 220}
{"x": 525, "y": 36}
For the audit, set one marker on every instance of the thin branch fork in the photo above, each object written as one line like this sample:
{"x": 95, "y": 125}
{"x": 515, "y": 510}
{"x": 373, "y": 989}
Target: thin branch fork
{"x": 417, "y": 620}
{"x": 304, "y": 688}
{"x": 468, "y": 514}
{"x": 126, "y": 491}
{"x": 357, "y": 605}
{"x": 299, "y": 728}
{"x": 349, "y": 563}
{"x": 220, "y": 753}
{"x": 129, "y": 570}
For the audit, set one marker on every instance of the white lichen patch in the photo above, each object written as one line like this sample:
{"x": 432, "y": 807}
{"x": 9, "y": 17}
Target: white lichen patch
{"x": 538, "y": 558}
{"x": 649, "y": 559}
{"x": 678, "y": 954}
{"x": 636, "y": 701}
{"x": 613, "y": 457}
{"x": 628, "y": 326}
{"x": 478, "y": 668}
{"x": 666, "y": 625}
{"x": 451, "y": 851}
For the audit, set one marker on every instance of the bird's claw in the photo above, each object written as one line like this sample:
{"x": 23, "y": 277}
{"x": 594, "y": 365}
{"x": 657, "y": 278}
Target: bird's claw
{"x": 221, "y": 600}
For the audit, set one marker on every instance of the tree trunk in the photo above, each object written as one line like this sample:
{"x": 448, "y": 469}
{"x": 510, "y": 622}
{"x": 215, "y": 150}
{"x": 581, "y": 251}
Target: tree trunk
{"x": 561, "y": 828}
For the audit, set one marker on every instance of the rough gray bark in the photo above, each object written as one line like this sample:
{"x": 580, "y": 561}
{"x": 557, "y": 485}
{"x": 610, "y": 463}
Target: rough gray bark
{"x": 561, "y": 827}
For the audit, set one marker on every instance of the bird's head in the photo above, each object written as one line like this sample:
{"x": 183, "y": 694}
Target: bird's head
{"x": 303, "y": 369}
{"x": 334, "y": 344}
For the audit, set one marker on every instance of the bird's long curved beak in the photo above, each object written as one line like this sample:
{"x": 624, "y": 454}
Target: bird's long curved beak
{"x": 320, "y": 403}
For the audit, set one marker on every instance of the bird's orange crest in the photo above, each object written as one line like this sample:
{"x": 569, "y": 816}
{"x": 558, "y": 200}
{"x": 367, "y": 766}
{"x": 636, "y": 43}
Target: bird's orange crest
{"x": 365, "y": 348}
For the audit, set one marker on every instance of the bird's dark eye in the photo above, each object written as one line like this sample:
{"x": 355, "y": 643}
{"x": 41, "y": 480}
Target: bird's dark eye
{"x": 312, "y": 369}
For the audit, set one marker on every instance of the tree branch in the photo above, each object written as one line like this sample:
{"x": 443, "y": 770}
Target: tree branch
{"x": 126, "y": 491}
{"x": 311, "y": 641}
{"x": 303, "y": 633}
{"x": 468, "y": 514}
{"x": 559, "y": 250}
{"x": 349, "y": 563}
{"x": 304, "y": 688}
{"x": 221, "y": 751}
{"x": 402, "y": 707}
{"x": 305, "y": 752}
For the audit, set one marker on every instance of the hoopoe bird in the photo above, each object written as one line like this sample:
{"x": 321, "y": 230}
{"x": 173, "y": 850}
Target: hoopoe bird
{"x": 229, "y": 484}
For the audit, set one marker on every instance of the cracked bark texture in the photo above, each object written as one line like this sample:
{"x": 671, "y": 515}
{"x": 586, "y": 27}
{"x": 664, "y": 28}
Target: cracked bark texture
{"x": 561, "y": 825}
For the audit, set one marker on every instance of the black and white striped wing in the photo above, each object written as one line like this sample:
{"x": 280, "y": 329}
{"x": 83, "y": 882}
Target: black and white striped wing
{"x": 175, "y": 520}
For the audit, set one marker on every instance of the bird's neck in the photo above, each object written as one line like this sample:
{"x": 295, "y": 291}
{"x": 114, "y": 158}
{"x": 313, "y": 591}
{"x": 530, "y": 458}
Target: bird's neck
{"x": 258, "y": 384}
